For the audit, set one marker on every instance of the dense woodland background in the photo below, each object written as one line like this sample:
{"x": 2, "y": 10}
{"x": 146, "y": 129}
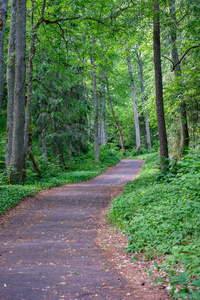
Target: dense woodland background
{"x": 83, "y": 84}
{"x": 82, "y": 73}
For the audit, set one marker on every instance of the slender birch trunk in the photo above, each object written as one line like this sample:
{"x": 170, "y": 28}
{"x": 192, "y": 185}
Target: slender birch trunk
{"x": 137, "y": 127}
{"x": 144, "y": 100}
{"x": 10, "y": 85}
{"x": 19, "y": 93}
{"x": 177, "y": 73}
{"x": 159, "y": 88}
{"x": 115, "y": 119}
{"x": 96, "y": 107}
{"x": 103, "y": 110}
{"x": 3, "y": 17}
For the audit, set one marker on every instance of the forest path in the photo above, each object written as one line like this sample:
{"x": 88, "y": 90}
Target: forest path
{"x": 47, "y": 243}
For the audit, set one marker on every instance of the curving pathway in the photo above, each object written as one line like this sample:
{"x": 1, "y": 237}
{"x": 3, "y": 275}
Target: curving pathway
{"x": 47, "y": 247}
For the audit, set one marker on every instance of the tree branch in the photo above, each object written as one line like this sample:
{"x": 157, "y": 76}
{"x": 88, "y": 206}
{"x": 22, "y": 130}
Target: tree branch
{"x": 56, "y": 21}
{"x": 47, "y": 21}
{"x": 186, "y": 52}
{"x": 118, "y": 12}
{"x": 168, "y": 59}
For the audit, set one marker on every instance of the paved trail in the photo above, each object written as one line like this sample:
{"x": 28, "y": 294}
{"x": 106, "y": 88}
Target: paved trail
{"x": 48, "y": 250}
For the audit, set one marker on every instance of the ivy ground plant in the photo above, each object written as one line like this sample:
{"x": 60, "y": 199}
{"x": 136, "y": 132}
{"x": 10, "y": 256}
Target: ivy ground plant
{"x": 161, "y": 215}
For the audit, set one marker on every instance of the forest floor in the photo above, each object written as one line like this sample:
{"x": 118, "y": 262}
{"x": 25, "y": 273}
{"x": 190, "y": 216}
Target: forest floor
{"x": 59, "y": 245}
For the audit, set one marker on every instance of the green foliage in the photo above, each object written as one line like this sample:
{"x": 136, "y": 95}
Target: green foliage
{"x": 79, "y": 169}
{"x": 108, "y": 156}
{"x": 140, "y": 153}
{"x": 161, "y": 215}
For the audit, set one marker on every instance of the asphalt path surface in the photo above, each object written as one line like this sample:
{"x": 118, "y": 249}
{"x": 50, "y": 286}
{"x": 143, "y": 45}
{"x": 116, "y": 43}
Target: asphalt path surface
{"x": 47, "y": 250}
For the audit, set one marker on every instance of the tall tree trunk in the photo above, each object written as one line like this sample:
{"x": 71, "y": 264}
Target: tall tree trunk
{"x": 30, "y": 79}
{"x": 96, "y": 107}
{"x": 10, "y": 85}
{"x": 115, "y": 119}
{"x": 177, "y": 72}
{"x": 148, "y": 135}
{"x": 19, "y": 93}
{"x": 29, "y": 94}
{"x": 103, "y": 110}
{"x": 3, "y": 16}
{"x": 137, "y": 127}
{"x": 159, "y": 89}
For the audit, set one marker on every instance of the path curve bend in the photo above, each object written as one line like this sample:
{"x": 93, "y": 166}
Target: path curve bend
{"x": 48, "y": 249}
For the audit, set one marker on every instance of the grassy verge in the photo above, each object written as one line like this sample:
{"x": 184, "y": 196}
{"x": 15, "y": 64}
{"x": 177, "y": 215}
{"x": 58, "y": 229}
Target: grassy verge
{"x": 79, "y": 169}
{"x": 161, "y": 215}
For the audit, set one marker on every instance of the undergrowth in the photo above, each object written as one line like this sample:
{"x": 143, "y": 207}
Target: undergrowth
{"x": 161, "y": 214}
{"x": 77, "y": 169}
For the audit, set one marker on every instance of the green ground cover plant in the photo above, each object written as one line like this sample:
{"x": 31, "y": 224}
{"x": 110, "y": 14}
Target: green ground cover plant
{"x": 78, "y": 169}
{"x": 161, "y": 215}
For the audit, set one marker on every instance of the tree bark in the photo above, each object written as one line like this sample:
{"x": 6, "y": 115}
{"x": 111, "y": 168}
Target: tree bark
{"x": 159, "y": 89}
{"x": 3, "y": 17}
{"x": 30, "y": 79}
{"x": 148, "y": 135}
{"x": 177, "y": 72}
{"x": 103, "y": 110}
{"x": 137, "y": 127}
{"x": 10, "y": 85}
{"x": 19, "y": 93}
{"x": 115, "y": 119}
{"x": 96, "y": 108}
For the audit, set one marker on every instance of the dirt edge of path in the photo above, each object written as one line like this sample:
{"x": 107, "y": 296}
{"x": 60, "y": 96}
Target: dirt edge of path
{"x": 114, "y": 244}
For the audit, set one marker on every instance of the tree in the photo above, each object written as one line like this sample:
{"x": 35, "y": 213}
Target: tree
{"x": 10, "y": 85}
{"x": 3, "y": 16}
{"x": 159, "y": 88}
{"x": 30, "y": 83}
{"x": 137, "y": 127}
{"x": 102, "y": 125}
{"x": 177, "y": 73}
{"x": 115, "y": 119}
{"x": 19, "y": 93}
{"x": 143, "y": 98}
{"x": 96, "y": 106}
